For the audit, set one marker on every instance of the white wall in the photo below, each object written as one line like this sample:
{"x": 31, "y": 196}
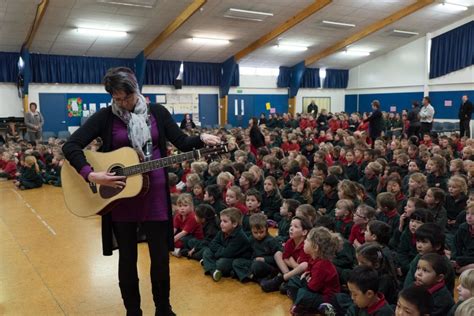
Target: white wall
{"x": 10, "y": 103}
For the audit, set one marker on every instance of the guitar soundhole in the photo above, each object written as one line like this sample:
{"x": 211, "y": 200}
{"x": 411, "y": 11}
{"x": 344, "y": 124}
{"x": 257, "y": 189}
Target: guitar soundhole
{"x": 107, "y": 192}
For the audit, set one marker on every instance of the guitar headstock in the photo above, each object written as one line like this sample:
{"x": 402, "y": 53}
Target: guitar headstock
{"x": 210, "y": 151}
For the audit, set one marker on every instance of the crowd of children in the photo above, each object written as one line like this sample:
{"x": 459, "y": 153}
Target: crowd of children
{"x": 340, "y": 223}
{"x": 30, "y": 165}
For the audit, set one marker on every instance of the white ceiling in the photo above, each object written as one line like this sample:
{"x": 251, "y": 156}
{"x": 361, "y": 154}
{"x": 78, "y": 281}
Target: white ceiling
{"x": 56, "y": 33}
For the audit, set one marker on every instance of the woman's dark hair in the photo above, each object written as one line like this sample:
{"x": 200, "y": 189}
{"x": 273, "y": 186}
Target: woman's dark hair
{"x": 214, "y": 191}
{"x": 376, "y": 103}
{"x": 433, "y": 233}
{"x": 254, "y": 121}
{"x": 420, "y": 297}
{"x": 120, "y": 79}
{"x": 206, "y": 212}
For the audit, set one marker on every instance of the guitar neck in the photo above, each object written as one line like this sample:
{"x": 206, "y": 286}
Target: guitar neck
{"x": 158, "y": 163}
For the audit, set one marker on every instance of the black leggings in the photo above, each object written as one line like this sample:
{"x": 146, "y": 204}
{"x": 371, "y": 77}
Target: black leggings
{"x": 157, "y": 238}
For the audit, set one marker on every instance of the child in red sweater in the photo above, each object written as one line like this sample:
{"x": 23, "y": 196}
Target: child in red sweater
{"x": 8, "y": 166}
{"x": 234, "y": 198}
{"x": 320, "y": 282}
{"x": 363, "y": 215}
{"x": 185, "y": 224}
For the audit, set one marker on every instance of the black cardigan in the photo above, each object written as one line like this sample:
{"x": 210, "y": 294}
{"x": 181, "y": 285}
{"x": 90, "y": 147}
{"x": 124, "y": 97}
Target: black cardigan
{"x": 100, "y": 125}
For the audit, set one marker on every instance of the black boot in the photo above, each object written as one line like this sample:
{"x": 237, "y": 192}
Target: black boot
{"x": 131, "y": 298}
{"x": 161, "y": 297}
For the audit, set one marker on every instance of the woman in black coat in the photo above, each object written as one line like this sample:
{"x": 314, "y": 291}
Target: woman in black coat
{"x": 129, "y": 122}
{"x": 375, "y": 122}
{"x": 257, "y": 139}
{"x": 187, "y": 122}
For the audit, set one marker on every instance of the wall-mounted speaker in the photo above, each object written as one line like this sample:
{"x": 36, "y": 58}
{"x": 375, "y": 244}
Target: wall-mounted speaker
{"x": 178, "y": 84}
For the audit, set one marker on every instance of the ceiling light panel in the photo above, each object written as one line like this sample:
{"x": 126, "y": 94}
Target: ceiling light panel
{"x": 247, "y": 15}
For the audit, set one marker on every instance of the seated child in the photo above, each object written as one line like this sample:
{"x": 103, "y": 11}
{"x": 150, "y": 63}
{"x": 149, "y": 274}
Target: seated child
{"x": 253, "y": 200}
{"x": 287, "y": 212}
{"x": 363, "y": 215}
{"x": 387, "y": 204}
{"x": 234, "y": 197}
{"x": 363, "y": 283}
{"x": 308, "y": 212}
{"x": 30, "y": 176}
{"x": 464, "y": 242}
{"x": 8, "y": 168}
{"x": 212, "y": 196}
{"x": 262, "y": 263}
{"x": 415, "y": 301}
{"x": 430, "y": 274}
{"x": 344, "y": 215}
{"x": 327, "y": 202}
{"x": 185, "y": 224}
{"x": 271, "y": 199}
{"x": 229, "y": 244}
{"x": 430, "y": 239}
{"x": 205, "y": 216}
{"x": 292, "y": 261}
{"x": 406, "y": 250}
{"x": 370, "y": 180}
{"x": 320, "y": 282}
{"x": 465, "y": 289}
{"x": 434, "y": 198}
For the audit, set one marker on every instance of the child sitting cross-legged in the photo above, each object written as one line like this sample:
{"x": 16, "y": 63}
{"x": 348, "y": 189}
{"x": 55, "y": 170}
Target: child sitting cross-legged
{"x": 320, "y": 282}
{"x": 363, "y": 284}
{"x": 230, "y": 243}
{"x": 287, "y": 212}
{"x": 293, "y": 260}
{"x": 264, "y": 246}
{"x": 430, "y": 274}
{"x": 185, "y": 224}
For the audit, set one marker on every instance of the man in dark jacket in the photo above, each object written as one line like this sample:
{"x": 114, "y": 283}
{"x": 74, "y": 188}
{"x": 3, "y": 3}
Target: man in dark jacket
{"x": 465, "y": 111}
{"x": 313, "y": 109}
{"x": 375, "y": 121}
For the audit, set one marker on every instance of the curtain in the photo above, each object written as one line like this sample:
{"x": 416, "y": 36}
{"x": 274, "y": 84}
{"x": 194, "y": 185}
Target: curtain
{"x": 202, "y": 74}
{"x": 284, "y": 77}
{"x": 310, "y": 78}
{"x": 236, "y": 78}
{"x": 452, "y": 50}
{"x": 73, "y": 69}
{"x": 161, "y": 72}
{"x": 336, "y": 79}
{"x": 9, "y": 67}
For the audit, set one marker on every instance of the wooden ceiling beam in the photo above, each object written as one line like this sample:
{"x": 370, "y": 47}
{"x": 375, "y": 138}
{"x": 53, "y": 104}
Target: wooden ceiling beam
{"x": 368, "y": 30}
{"x": 302, "y": 15}
{"x": 173, "y": 26}
{"x": 34, "y": 28}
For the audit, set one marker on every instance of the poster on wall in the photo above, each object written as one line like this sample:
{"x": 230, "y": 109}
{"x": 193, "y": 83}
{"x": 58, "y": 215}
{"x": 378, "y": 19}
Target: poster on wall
{"x": 74, "y": 107}
{"x": 448, "y": 102}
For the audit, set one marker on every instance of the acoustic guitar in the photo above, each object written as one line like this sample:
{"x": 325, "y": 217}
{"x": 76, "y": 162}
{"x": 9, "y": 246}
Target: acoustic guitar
{"x": 87, "y": 199}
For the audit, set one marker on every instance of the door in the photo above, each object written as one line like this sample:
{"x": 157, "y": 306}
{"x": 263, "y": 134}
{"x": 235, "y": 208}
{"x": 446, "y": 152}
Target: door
{"x": 53, "y": 108}
{"x": 321, "y": 102}
{"x": 240, "y": 110}
{"x": 208, "y": 109}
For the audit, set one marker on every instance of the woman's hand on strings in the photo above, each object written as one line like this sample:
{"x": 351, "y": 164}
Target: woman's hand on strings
{"x": 107, "y": 178}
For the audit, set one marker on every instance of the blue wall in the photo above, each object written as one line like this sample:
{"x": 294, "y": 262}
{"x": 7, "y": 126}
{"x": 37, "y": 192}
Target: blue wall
{"x": 400, "y": 100}
{"x": 448, "y": 112}
{"x": 254, "y": 105}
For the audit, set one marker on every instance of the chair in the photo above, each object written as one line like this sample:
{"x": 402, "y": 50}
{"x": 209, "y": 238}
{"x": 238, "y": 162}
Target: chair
{"x": 64, "y": 135}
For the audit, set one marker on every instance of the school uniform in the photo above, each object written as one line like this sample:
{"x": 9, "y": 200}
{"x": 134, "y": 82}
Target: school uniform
{"x": 322, "y": 286}
{"x": 454, "y": 207}
{"x": 9, "y": 170}
{"x": 291, "y": 250}
{"x": 317, "y": 195}
{"x": 437, "y": 181}
{"x": 218, "y": 207}
{"x": 464, "y": 245}
{"x": 188, "y": 224}
{"x": 380, "y": 308}
{"x": 352, "y": 172}
{"x": 357, "y": 233}
{"x": 266, "y": 248}
{"x": 210, "y": 230}
{"x": 29, "y": 178}
{"x": 440, "y": 216}
{"x": 406, "y": 250}
{"x": 328, "y": 202}
{"x": 370, "y": 185}
{"x": 246, "y": 223}
{"x": 344, "y": 225}
{"x": 345, "y": 258}
{"x": 442, "y": 298}
{"x": 271, "y": 205}
{"x": 241, "y": 206}
{"x": 284, "y": 229}
{"x": 53, "y": 176}
{"x": 392, "y": 218}
{"x": 449, "y": 277}
{"x": 452, "y": 311}
{"x": 401, "y": 202}
{"x": 224, "y": 249}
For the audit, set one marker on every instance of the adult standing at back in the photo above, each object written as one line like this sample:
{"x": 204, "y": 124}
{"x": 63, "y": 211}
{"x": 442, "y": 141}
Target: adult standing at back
{"x": 34, "y": 123}
{"x": 465, "y": 112}
{"x": 313, "y": 109}
{"x": 257, "y": 139}
{"x": 414, "y": 119}
{"x": 427, "y": 113}
{"x": 375, "y": 121}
